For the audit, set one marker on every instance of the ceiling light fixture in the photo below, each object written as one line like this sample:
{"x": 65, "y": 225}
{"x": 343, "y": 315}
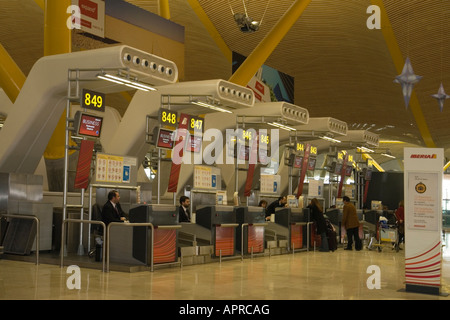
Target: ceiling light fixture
{"x": 364, "y": 149}
{"x": 245, "y": 23}
{"x": 124, "y": 81}
{"x": 281, "y": 126}
{"x": 330, "y": 139}
{"x": 388, "y": 154}
{"x": 210, "y": 106}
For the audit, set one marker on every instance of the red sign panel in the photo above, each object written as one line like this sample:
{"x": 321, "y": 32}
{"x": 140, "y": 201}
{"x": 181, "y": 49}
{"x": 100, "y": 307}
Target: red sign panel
{"x": 89, "y": 9}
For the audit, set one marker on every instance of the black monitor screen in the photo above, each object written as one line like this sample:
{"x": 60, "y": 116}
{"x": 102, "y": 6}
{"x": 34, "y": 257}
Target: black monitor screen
{"x": 298, "y": 160}
{"x": 312, "y": 164}
{"x": 165, "y": 139}
{"x": 90, "y": 125}
{"x": 348, "y": 170}
{"x": 194, "y": 144}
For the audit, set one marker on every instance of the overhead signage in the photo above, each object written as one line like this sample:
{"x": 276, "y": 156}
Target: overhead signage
{"x": 196, "y": 124}
{"x": 167, "y": 117}
{"x": 92, "y": 100}
{"x": 170, "y": 118}
{"x": 89, "y": 16}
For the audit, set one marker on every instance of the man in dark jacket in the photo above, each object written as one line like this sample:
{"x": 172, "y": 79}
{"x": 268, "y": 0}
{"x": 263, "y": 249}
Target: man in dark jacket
{"x": 184, "y": 214}
{"x": 112, "y": 211}
{"x": 350, "y": 222}
{"x": 280, "y": 203}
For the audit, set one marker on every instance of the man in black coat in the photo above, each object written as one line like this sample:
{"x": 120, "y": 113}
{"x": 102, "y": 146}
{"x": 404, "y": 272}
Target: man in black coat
{"x": 280, "y": 203}
{"x": 112, "y": 211}
{"x": 183, "y": 212}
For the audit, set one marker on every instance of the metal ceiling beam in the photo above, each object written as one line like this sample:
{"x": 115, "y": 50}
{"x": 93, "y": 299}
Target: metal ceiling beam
{"x": 397, "y": 57}
{"x": 164, "y": 9}
{"x": 366, "y": 156}
{"x": 265, "y": 48}
{"x": 211, "y": 29}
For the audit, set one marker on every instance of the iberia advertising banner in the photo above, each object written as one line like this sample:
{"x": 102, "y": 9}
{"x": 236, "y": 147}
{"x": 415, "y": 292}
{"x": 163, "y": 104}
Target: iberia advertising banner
{"x": 90, "y": 16}
{"x": 423, "y": 178}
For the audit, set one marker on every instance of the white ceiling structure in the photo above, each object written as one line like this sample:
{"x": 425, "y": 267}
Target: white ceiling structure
{"x": 341, "y": 68}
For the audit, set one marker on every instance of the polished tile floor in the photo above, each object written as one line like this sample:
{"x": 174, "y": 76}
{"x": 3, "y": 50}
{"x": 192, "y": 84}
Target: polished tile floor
{"x": 339, "y": 275}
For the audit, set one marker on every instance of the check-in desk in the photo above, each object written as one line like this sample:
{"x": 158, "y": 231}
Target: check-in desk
{"x": 165, "y": 239}
{"x": 221, "y": 221}
{"x": 250, "y": 233}
{"x": 296, "y": 224}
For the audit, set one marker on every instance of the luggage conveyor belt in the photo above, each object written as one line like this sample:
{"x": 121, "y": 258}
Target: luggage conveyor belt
{"x": 280, "y": 232}
{"x": 201, "y": 234}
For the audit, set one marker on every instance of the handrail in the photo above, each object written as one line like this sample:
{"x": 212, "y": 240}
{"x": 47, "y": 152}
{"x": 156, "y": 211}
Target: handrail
{"x": 227, "y": 225}
{"x": 63, "y": 235}
{"x": 168, "y": 226}
{"x": 259, "y": 224}
{"x": 37, "y": 236}
{"x": 128, "y": 224}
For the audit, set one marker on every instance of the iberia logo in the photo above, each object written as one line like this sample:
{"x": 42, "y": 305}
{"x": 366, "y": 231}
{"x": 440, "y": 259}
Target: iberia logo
{"x": 424, "y": 156}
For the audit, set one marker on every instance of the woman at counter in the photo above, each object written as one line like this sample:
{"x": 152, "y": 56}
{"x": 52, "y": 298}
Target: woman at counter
{"x": 319, "y": 220}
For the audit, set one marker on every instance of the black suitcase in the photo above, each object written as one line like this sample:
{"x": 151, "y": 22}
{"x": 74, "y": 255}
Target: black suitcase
{"x": 332, "y": 242}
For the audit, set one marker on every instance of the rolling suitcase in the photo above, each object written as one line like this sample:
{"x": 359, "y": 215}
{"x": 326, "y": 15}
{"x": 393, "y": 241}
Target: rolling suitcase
{"x": 331, "y": 235}
{"x": 332, "y": 243}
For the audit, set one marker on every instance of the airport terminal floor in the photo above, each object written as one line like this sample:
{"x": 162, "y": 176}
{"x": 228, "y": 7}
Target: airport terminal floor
{"x": 313, "y": 275}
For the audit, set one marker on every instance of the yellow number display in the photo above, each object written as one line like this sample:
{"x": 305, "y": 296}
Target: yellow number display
{"x": 264, "y": 139}
{"x": 168, "y": 117}
{"x": 93, "y": 100}
{"x": 196, "y": 124}
{"x": 96, "y": 101}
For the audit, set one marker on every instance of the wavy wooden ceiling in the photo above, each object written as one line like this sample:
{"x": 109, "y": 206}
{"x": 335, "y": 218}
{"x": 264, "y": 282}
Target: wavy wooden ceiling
{"x": 341, "y": 68}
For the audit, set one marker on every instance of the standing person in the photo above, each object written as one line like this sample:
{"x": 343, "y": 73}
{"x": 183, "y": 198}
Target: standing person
{"x": 400, "y": 216}
{"x": 280, "y": 203}
{"x": 112, "y": 211}
{"x": 184, "y": 214}
{"x": 317, "y": 216}
{"x": 350, "y": 222}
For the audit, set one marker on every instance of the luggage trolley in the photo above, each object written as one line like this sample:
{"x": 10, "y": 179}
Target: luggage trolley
{"x": 387, "y": 237}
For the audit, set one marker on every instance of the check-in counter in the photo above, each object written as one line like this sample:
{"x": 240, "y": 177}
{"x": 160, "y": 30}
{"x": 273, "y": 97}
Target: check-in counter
{"x": 221, "y": 221}
{"x": 250, "y": 234}
{"x": 296, "y": 223}
{"x": 165, "y": 239}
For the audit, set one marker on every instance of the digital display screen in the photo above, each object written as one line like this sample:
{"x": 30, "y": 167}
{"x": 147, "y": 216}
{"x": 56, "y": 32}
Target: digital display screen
{"x": 368, "y": 174}
{"x": 311, "y": 164}
{"x": 338, "y": 168}
{"x": 244, "y": 153}
{"x": 348, "y": 170}
{"x": 298, "y": 160}
{"x": 194, "y": 144}
{"x": 90, "y": 125}
{"x": 165, "y": 139}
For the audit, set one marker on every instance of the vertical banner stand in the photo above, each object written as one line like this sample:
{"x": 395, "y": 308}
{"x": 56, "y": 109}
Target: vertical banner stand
{"x": 423, "y": 177}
